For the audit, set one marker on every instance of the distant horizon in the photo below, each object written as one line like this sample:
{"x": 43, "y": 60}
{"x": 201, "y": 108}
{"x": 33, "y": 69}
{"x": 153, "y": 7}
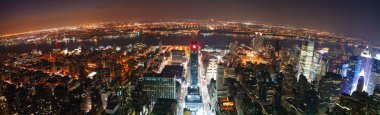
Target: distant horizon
{"x": 357, "y": 19}
{"x": 168, "y": 20}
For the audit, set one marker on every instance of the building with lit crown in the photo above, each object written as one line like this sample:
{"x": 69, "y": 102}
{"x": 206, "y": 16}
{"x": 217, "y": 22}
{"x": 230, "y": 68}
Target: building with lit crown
{"x": 306, "y": 60}
{"x": 193, "y": 100}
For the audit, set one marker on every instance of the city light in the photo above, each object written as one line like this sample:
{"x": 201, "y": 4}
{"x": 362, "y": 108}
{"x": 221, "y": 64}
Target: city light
{"x": 152, "y": 59}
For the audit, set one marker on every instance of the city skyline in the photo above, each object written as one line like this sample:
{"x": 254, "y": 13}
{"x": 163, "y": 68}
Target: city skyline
{"x": 189, "y": 58}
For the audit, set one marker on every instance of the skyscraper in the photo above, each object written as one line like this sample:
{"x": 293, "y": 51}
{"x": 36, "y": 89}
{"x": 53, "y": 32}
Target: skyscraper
{"x": 160, "y": 86}
{"x": 289, "y": 80}
{"x": 306, "y": 60}
{"x": 360, "y": 66}
{"x": 353, "y": 65}
{"x": 211, "y": 69}
{"x": 194, "y": 64}
{"x": 220, "y": 87}
{"x": 193, "y": 100}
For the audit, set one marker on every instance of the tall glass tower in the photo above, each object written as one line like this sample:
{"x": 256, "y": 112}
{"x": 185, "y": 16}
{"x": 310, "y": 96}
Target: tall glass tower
{"x": 193, "y": 98}
{"x": 194, "y": 49}
{"x": 306, "y": 59}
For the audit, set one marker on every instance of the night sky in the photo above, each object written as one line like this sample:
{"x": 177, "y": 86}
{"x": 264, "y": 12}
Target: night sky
{"x": 358, "y": 18}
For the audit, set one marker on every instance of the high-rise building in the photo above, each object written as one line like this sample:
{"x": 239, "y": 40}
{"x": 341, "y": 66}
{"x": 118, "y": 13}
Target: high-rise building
{"x": 365, "y": 70}
{"x": 193, "y": 100}
{"x": 306, "y": 60}
{"x": 177, "y": 56}
{"x": 303, "y": 86}
{"x": 211, "y": 87}
{"x": 221, "y": 88}
{"x": 288, "y": 84}
{"x": 353, "y": 66}
{"x": 360, "y": 66}
{"x": 194, "y": 64}
{"x": 211, "y": 69}
{"x": 258, "y": 41}
{"x": 159, "y": 86}
{"x": 165, "y": 107}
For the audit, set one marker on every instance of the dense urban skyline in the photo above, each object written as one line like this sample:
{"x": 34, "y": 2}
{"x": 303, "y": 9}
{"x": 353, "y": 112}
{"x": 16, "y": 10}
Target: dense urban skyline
{"x": 189, "y": 58}
{"x": 352, "y": 18}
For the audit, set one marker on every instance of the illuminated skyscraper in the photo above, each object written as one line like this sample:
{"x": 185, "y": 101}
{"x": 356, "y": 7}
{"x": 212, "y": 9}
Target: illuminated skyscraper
{"x": 360, "y": 66}
{"x": 160, "y": 86}
{"x": 193, "y": 100}
{"x": 211, "y": 69}
{"x": 194, "y": 64}
{"x": 353, "y": 65}
{"x": 370, "y": 81}
{"x": 306, "y": 60}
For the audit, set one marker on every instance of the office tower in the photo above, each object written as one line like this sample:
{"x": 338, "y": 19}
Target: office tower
{"x": 353, "y": 65}
{"x": 303, "y": 86}
{"x": 371, "y": 72}
{"x": 212, "y": 92}
{"x": 165, "y": 107}
{"x": 365, "y": 67}
{"x": 194, "y": 64}
{"x": 306, "y": 60}
{"x": 294, "y": 54}
{"x": 173, "y": 70}
{"x": 263, "y": 85}
{"x": 159, "y": 86}
{"x": 316, "y": 65}
{"x": 221, "y": 89}
{"x": 360, "y": 66}
{"x": 289, "y": 75}
{"x": 177, "y": 56}
{"x": 258, "y": 41}
{"x": 193, "y": 100}
{"x": 211, "y": 70}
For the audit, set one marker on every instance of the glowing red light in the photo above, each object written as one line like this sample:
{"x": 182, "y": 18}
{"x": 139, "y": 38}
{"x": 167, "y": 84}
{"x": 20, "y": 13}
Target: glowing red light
{"x": 194, "y": 46}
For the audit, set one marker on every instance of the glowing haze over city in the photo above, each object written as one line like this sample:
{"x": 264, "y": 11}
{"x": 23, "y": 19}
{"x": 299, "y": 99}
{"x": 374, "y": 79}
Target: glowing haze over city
{"x": 171, "y": 57}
